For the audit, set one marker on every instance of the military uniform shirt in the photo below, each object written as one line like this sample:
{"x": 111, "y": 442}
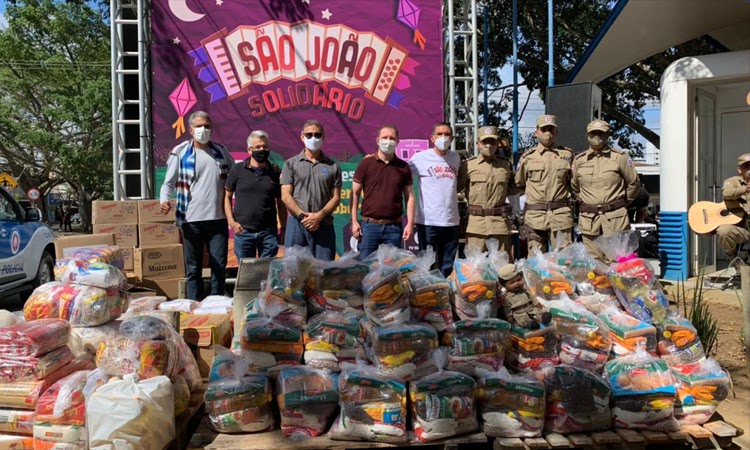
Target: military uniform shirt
{"x": 544, "y": 175}
{"x": 490, "y": 183}
{"x": 734, "y": 188}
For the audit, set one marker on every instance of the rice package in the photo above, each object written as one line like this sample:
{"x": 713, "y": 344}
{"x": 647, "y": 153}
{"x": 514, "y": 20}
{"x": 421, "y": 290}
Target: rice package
{"x": 216, "y": 304}
{"x": 510, "y": 405}
{"x": 474, "y": 282}
{"x": 403, "y": 350}
{"x": 77, "y": 270}
{"x": 278, "y": 339}
{"x": 633, "y": 279}
{"x": 34, "y": 367}
{"x": 431, "y": 296}
{"x": 443, "y": 404}
{"x": 583, "y": 338}
{"x": 589, "y": 274}
{"x": 33, "y": 338}
{"x": 678, "y": 341}
{"x": 627, "y": 332}
{"x": 532, "y": 350}
{"x": 82, "y": 306}
{"x": 479, "y": 344}
{"x": 308, "y": 399}
{"x": 332, "y": 338}
{"x": 25, "y": 394}
{"x": 337, "y": 285}
{"x": 700, "y": 389}
{"x": 373, "y": 406}
{"x": 386, "y": 297}
{"x": 577, "y": 400}
{"x": 17, "y": 421}
{"x": 61, "y": 415}
{"x": 545, "y": 279}
{"x": 643, "y": 392}
{"x": 238, "y": 401}
{"x": 111, "y": 255}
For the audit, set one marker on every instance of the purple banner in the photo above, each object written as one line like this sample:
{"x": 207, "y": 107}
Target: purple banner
{"x": 354, "y": 65}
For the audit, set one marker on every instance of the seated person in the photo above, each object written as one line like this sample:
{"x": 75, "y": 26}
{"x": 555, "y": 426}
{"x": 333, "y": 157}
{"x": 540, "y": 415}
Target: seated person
{"x": 736, "y": 188}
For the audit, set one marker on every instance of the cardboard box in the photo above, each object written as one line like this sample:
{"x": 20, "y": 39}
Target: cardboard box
{"x": 159, "y": 262}
{"x": 140, "y": 292}
{"x": 128, "y": 259}
{"x": 149, "y": 211}
{"x": 114, "y": 212}
{"x": 203, "y": 331}
{"x": 158, "y": 234}
{"x": 169, "y": 287}
{"x": 67, "y": 245}
{"x": 126, "y": 234}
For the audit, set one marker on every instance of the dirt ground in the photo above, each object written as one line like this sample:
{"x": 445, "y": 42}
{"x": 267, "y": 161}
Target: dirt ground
{"x": 729, "y": 352}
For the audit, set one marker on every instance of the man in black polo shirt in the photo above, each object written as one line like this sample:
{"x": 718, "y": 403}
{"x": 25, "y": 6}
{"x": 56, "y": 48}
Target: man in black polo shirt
{"x": 255, "y": 185}
{"x": 386, "y": 180}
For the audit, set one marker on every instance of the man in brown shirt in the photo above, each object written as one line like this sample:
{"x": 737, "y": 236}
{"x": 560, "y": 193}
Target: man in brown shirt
{"x": 544, "y": 174}
{"x": 386, "y": 180}
{"x": 736, "y": 188}
{"x": 605, "y": 182}
{"x": 490, "y": 182}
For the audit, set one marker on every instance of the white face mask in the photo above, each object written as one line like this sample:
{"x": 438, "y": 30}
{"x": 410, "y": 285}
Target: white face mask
{"x": 202, "y": 134}
{"x": 313, "y": 143}
{"x": 443, "y": 143}
{"x": 387, "y": 146}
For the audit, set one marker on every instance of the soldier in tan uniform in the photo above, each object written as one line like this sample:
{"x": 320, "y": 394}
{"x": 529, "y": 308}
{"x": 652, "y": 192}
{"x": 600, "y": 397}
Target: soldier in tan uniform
{"x": 736, "y": 188}
{"x": 544, "y": 174}
{"x": 519, "y": 306}
{"x": 605, "y": 182}
{"x": 490, "y": 183}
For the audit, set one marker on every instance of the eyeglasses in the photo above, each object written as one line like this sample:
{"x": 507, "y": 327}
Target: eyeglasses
{"x": 309, "y": 135}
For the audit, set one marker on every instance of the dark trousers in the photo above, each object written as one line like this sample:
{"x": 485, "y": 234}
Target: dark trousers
{"x": 213, "y": 234}
{"x": 374, "y": 234}
{"x": 321, "y": 242}
{"x": 443, "y": 240}
{"x": 256, "y": 244}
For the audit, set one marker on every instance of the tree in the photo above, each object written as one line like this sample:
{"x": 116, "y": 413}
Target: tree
{"x": 55, "y": 98}
{"x": 576, "y": 23}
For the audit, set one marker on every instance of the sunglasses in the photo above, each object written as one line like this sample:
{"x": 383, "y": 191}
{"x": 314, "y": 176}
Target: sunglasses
{"x": 309, "y": 135}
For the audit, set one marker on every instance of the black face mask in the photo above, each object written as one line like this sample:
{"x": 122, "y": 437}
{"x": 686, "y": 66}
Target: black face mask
{"x": 261, "y": 156}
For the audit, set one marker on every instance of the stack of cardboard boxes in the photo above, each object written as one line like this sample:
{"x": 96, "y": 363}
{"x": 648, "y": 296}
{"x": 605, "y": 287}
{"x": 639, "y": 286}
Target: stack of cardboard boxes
{"x": 152, "y": 242}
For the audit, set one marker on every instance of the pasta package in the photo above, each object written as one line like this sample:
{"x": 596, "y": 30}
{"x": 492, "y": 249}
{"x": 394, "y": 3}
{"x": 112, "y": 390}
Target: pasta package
{"x": 34, "y": 368}
{"x": 27, "y": 339}
{"x": 627, "y": 332}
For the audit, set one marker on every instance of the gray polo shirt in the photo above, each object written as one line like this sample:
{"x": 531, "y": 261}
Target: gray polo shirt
{"x": 313, "y": 183}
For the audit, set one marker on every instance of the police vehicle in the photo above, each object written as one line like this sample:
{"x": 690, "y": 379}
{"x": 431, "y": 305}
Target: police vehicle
{"x": 27, "y": 248}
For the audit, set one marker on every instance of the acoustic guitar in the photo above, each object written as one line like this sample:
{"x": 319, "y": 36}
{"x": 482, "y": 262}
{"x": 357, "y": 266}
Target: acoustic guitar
{"x": 706, "y": 217}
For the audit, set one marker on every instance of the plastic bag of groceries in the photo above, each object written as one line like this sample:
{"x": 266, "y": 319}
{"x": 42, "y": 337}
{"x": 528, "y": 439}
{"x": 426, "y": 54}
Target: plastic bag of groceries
{"x": 403, "y": 350}
{"x": 386, "y": 297}
{"x": 678, "y": 342}
{"x": 577, "y": 400}
{"x": 589, "y": 274}
{"x": 82, "y": 306}
{"x": 430, "y": 296}
{"x": 373, "y": 406}
{"x": 390, "y": 255}
{"x": 474, "y": 282}
{"x": 35, "y": 338}
{"x": 337, "y": 285}
{"x": 545, "y": 279}
{"x": 443, "y": 404}
{"x": 120, "y": 355}
{"x": 633, "y": 279}
{"x": 181, "y": 394}
{"x": 479, "y": 344}
{"x": 112, "y": 255}
{"x": 643, "y": 392}
{"x": 31, "y": 368}
{"x": 267, "y": 334}
{"x": 308, "y": 399}
{"x": 700, "y": 389}
{"x": 238, "y": 401}
{"x": 332, "y": 338}
{"x": 288, "y": 275}
{"x": 25, "y": 394}
{"x": 531, "y": 351}
{"x": 583, "y": 338}
{"x": 143, "y": 305}
{"x": 223, "y": 364}
{"x": 510, "y": 405}
{"x": 181, "y": 305}
{"x": 61, "y": 414}
{"x": 627, "y": 332}
{"x": 77, "y": 270}
{"x": 216, "y": 304}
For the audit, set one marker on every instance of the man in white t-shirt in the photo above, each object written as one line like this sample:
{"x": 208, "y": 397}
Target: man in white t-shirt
{"x": 440, "y": 175}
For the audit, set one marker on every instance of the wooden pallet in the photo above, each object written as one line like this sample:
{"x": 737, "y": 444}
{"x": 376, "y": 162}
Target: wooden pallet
{"x": 187, "y": 422}
{"x": 713, "y": 435}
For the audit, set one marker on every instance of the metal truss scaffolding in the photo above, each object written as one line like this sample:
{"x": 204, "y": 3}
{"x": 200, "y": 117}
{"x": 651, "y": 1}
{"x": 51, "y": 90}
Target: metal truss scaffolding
{"x": 462, "y": 107}
{"x": 131, "y": 99}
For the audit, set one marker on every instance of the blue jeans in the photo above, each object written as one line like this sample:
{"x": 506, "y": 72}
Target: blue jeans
{"x": 374, "y": 234}
{"x": 444, "y": 240}
{"x": 256, "y": 244}
{"x": 213, "y": 234}
{"x": 321, "y": 242}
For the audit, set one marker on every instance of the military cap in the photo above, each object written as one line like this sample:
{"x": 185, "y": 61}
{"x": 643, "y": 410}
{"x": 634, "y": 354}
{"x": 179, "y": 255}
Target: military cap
{"x": 597, "y": 124}
{"x": 743, "y": 159}
{"x": 545, "y": 120}
{"x": 488, "y": 132}
{"x": 507, "y": 272}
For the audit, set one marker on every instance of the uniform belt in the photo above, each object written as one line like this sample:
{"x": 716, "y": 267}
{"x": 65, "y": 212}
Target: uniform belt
{"x": 476, "y": 210}
{"x": 601, "y": 209}
{"x": 548, "y": 206}
{"x": 381, "y": 221}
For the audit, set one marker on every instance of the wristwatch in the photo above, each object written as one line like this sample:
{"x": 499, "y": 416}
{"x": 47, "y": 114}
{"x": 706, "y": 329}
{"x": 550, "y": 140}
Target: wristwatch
{"x": 301, "y": 216}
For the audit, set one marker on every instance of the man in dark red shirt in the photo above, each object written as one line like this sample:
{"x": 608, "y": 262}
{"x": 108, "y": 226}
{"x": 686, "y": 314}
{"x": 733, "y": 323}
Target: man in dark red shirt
{"x": 385, "y": 180}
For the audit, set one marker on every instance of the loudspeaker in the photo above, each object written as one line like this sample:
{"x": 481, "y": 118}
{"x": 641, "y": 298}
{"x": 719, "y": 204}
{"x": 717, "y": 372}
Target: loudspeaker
{"x": 575, "y": 106}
